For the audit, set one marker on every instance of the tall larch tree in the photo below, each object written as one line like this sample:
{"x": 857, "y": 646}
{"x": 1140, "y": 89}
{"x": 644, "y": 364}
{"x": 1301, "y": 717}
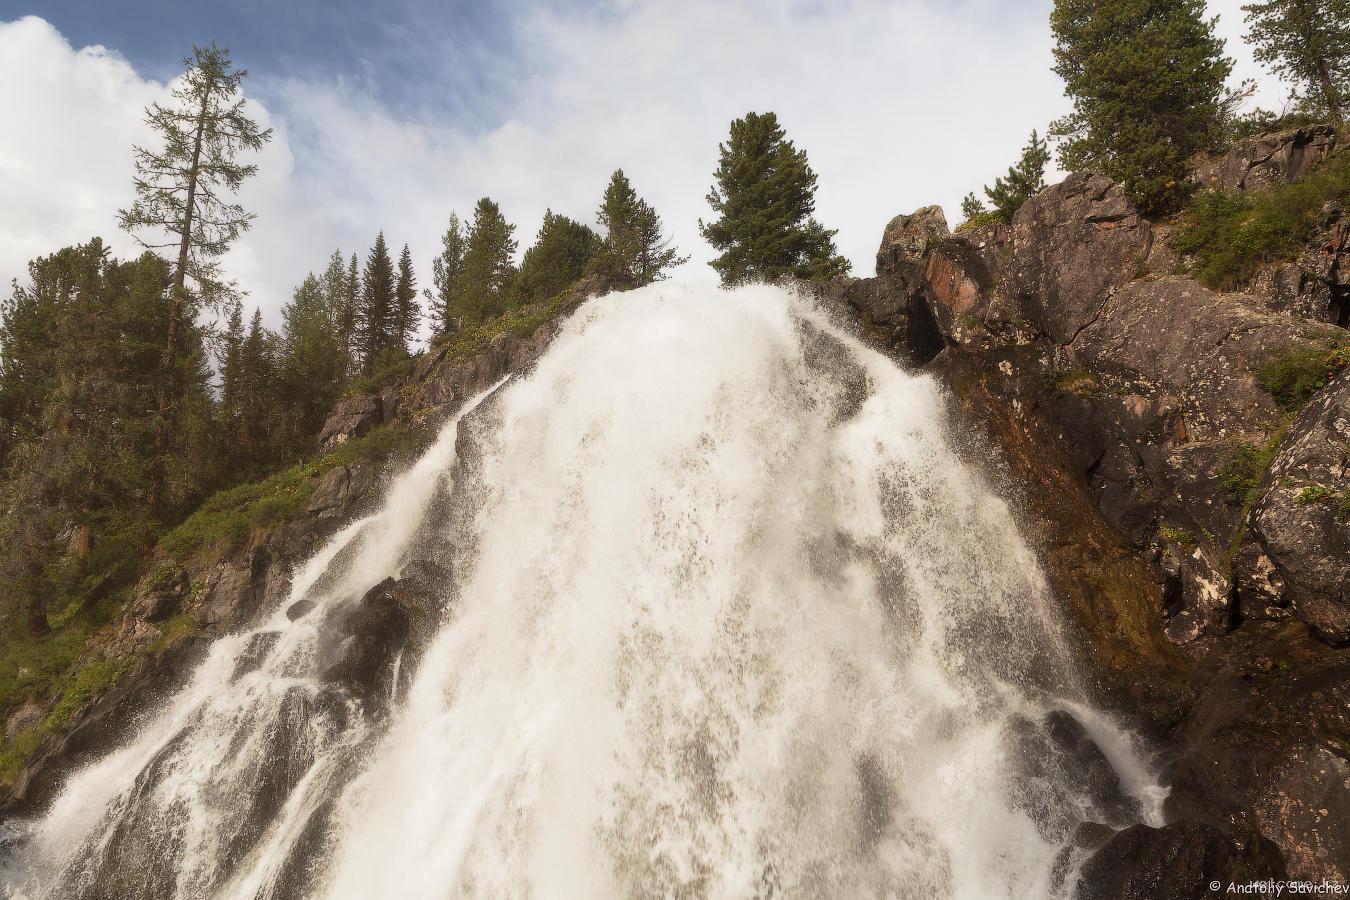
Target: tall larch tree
{"x": 636, "y": 247}
{"x": 377, "y": 311}
{"x": 489, "y": 263}
{"x": 1147, "y": 80}
{"x": 445, "y": 303}
{"x": 184, "y": 192}
{"x": 765, "y": 200}
{"x": 407, "y": 311}
{"x": 1307, "y": 42}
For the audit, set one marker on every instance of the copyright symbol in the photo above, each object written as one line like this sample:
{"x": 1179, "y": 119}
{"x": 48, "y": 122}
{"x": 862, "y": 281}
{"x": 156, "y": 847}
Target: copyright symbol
{"x": 1214, "y": 885}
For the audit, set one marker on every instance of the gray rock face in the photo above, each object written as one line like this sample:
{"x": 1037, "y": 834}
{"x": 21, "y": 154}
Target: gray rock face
{"x": 1302, "y": 522}
{"x": 1268, "y": 159}
{"x": 1071, "y": 245}
{"x": 351, "y": 418}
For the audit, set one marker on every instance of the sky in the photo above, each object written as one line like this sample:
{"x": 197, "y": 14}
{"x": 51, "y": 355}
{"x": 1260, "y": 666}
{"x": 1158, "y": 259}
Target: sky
{"x": 390, "y": 115}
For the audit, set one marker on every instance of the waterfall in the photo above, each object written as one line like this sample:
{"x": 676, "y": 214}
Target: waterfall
{"x": 716, "y": 612}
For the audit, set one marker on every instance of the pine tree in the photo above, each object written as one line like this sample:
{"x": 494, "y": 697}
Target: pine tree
{"x": 635, "y": 247}
{"x": 1022, "y": 181}
{"x": 445, "y": 305}
{"x": 489, "y": 271}
{"x": 407, "y": 311}
{"x": 377, "y": 311}
{"x": 560, "y": 255}
{"x": 765, "y": 201}
{"x": 1306, "y": 42}
{"x": 183, "y": 191}
{"x": 973, "y": 208}
{"x": 1147, "y": 82}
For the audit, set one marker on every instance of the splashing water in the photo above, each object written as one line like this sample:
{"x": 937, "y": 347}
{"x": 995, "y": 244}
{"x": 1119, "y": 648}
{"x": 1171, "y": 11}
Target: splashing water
{"x": 722, "y": 616}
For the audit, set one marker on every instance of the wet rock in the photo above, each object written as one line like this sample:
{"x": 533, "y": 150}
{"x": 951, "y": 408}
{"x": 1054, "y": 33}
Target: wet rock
{"x": 1056, "y": 755}
{"x": 1268, "y": 159}
{"x": 1302, "y": 522}
{"x": 362, "y": 641}
{"x": 300, "y": 608}
{"x": 1266, "y": 753}
{"x": 252, "y": 656}
{"x": 1176, "y": 862}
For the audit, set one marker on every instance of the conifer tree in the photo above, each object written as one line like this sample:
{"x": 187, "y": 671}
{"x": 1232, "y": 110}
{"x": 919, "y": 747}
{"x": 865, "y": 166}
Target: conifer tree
{"x": 377, "y": 311}
{"x": 1147, "y": 82}
{"x": 972, "y": 207}
{"x": 1022, "y": 181}
{"x": 635, "y": 246}
{"x": 445, "y": 304}
{"x": 489, "y": 269}
{"x": 256, "y": 370}
{"x": 183, "y": 191}
{"x": 1308, "y": 43}
{"x": 558, "y": 258}
{"x": 80, "y": 355}
{"x": 351, "y": 306}
{"x": 407, "y": 311}
{"x": 231, "y": 367}
{"x": 765, "y": 198}
{"x": 310, "y": 366}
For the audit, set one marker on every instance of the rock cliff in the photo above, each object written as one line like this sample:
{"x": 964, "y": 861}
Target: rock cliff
{"x": 1195, "y": 525}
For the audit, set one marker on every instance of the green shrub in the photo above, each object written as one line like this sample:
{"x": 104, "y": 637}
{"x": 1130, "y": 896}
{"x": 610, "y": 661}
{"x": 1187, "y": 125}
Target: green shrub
{"x": 1339, "y": 501}
{"x": 1241, "y": 472}
{"x": 1229, "y": 237}
{"x": 1294, "y": 375}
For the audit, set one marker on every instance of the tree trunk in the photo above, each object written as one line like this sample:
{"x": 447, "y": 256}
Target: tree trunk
{"x": 167, "y": 366}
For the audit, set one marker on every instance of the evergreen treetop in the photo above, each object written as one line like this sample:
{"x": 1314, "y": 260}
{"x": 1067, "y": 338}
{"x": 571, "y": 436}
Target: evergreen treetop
{"x": 1308, "y": 43}
{"x": 1147, "y": 82}
{"x": 765, "y": 200}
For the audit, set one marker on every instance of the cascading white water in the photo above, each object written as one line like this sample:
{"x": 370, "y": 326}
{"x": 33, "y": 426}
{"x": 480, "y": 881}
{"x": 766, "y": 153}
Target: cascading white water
{"x": 726, "y": 618}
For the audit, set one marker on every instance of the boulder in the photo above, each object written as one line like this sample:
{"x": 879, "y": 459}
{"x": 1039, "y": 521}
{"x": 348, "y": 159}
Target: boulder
{"x": 351, "y": 418}
{"x": 1302, "y": 521}
{"x": 1177, "y": 862}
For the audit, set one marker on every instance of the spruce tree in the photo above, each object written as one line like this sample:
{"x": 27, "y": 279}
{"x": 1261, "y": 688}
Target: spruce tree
{"x": 559, "y": 256}
{"x": 445, "y": 304}
{"x": 347, "y": 324}
{"x": 257, "y": 377}
{"x": 183, "y": 191}
{"x": 1022, "y": 181}
{"x": 1147, "y": 82}
{"x": 635, "y": 248}
{"x": 310, "y": 365}
{"x": 377, "y": 311}
{"x": 489, "y": 269}
{"x": 1308, "y": 43}
{"x": 231, "y": 368}
{"x": 973, "y": 208}
{"x": 765, "y": 201}
{"x": 407, "y": 311}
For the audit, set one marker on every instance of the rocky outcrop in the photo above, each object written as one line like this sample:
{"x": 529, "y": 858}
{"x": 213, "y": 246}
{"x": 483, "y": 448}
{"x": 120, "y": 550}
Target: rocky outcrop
{"x": 1301, "y": 523}
{"x": 1279, "y": 157}
{"x": 1123, "y": 410}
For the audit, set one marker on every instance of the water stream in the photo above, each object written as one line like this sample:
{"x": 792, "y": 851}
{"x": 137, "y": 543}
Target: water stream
{"x": 718, "y": 613}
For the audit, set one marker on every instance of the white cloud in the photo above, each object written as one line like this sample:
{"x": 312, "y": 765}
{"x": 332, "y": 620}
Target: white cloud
{"x": 898, "y": 104}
